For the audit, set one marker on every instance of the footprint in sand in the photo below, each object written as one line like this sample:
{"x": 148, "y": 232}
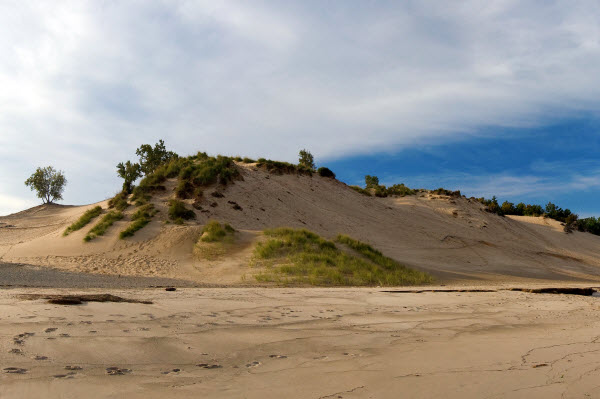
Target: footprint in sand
{"x": 39, "y": 357}
{"x": 253, "y": 364}
{"x": 16, "y": 351}
{"x": 171, "y": 371}
{"x": 15, "y": 370}
{"x": 117, "y": 371}
{"x": 278, "y": 356}
{"x": 64, "y": 335}
{"x": 68, "y": 375}
{"x": 209, "y": 366}
{"x": 73, "y": 368}
{"x": 50, "y": 329}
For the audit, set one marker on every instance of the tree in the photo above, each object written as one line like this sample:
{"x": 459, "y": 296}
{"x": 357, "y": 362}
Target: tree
{"x": 152, "y": 158}
{"x": 371, "y": 181}
{"x": 129, "y": 172}
{"x": 48, "y": 183}
{"x": 306, "y": 159}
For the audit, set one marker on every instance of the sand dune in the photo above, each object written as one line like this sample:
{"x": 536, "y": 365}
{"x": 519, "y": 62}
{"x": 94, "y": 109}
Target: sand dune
{"x": 453, "y": 238}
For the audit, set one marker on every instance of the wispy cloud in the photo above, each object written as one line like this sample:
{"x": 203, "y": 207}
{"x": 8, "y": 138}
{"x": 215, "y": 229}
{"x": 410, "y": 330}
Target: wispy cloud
{"x": 85, "y": 82}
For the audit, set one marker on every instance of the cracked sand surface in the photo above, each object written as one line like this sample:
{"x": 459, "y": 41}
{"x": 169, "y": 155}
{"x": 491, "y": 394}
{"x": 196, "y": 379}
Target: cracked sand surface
{"x": 301, "y": 343}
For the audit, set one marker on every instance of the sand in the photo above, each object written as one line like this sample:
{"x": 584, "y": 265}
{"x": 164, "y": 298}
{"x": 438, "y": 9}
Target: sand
{"x": 301, "y": 343}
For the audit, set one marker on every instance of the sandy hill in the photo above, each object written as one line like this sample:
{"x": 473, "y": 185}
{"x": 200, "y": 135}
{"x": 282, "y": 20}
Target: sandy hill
{"x": 452, "y": 238}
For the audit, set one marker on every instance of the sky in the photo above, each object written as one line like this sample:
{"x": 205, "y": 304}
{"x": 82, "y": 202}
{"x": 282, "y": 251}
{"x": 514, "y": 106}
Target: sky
{"x": 489, "y": 97}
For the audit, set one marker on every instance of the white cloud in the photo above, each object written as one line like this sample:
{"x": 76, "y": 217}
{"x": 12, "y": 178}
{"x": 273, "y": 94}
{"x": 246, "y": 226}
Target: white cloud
{"x": 85, "y": 82}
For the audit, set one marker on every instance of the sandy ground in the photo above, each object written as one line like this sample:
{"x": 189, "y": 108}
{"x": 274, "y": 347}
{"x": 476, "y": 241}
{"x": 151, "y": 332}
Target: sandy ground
{"x": 301, "y": 343}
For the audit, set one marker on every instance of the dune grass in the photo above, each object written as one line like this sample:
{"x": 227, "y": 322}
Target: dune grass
{"x": 293, "y": 256}
{"x": 214, "y": 231}
{"x": 103, "y": 225}
{"x": 139, "y": 219}
{"x": 84, "y": 220}
{"x": 119, "y": 201}
{"x": 215, "y": 241}
{"x": 178, "y": 212}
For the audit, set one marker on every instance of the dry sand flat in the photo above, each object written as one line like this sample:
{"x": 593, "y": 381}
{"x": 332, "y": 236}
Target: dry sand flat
{"x": 301, "y": 343}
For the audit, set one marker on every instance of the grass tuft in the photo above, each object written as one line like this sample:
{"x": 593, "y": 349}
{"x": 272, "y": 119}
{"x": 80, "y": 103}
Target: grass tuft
{"x": 216, "y": 240}
{"x": 302, "y": 257}
{"x": 119, "y": 201}
{"x": 139, "y": 219}
{"x": 178, "y": 212}
{"x": 84, "y": 220}
{"x": 103, "y": 225}
{"x": 213, "y": 231}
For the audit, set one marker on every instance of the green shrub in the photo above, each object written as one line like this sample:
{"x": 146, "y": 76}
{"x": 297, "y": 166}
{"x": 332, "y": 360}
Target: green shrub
{"x": 325, "y": 172}
{"x": 300, "y": 256}
{"x": 184, "y": 189}
{"x": 178, "y": 212}
{"x": 248, "y": 160}
{"x": 84, "y": 219}
{"x": 214, "y": 231}
{"x": 361, "y": 190}
{"x": 400, "y": 190}
{"x": 119, "y": 201}
{"x": 101, "y": 227}
{"x": 280, "y": 168}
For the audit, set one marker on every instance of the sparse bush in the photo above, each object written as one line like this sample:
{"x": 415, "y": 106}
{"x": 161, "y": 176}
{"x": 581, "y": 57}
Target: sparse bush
{"x": 248, "y": 160}
{"x": 101, "y": 227}
{"x": 325, "y": 172}
{"x": 361, "y": 190}
{"x": 400, "y": 190}
{"x": 119, "y": 201}
{"x": 371, "y": 181}
{"x": 184, "y": 189}
{"x": 84, "y": 220}
{"x": 306, "y": 160}
{"x": 178, "y": 212}
{"x": 443, "y": 191}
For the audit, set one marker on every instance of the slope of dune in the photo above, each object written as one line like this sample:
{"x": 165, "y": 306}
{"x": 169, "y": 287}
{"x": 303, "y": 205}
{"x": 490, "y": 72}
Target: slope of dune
{"x": 452, "y": 238}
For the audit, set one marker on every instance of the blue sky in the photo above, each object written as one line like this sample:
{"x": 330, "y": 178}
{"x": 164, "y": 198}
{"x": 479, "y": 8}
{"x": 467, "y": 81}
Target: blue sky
{"x": 490, "y": 97}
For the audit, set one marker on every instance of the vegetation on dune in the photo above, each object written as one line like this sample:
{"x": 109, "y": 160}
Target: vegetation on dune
{"x": 294, "y": 256}
{"x": 84, "y": 220}
{"x": 325, "y": 172}
{"x": 103, "y": 225}
{"x": 178, "y": 212}
{"x": 372, "y": 187}
{"x": 571, "y": 220}
{"x": 306, "y": 160}
{"x": 119, "y": 201}
{"x": 129, "y": 172}
{"x": 214, "y": 231}
{"x": 216, "y": 239}
{"x": 48, "y": 183}
{"x": 151, "y": 158}
{"x": 140, "y": 218}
